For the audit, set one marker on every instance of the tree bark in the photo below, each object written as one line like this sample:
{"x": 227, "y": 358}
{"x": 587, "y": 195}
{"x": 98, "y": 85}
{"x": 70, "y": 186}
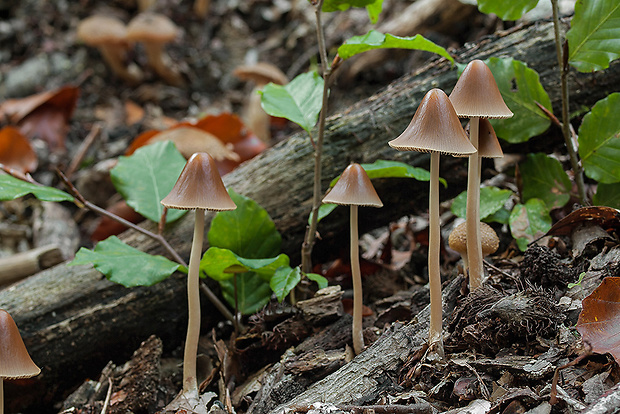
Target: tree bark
{"x": 73, "y": 320}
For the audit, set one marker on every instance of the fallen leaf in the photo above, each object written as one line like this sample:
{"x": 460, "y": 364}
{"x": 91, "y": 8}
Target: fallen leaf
{"x": 108, "y": 227}
{"x": 16, "y": 151}
{"x": 599, "y": 320}
{"x": 347, "y": 305}
{"x": 226, "y": 126}
{"x": 141, "y": 140}
{"x": 606, "y": 217}
{"x": 133, "y": 113}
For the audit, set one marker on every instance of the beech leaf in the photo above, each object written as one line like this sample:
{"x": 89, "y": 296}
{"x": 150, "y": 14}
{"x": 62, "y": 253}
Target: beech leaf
{"x": 507, "y": 10}
{"x": 544, "y": 178}
{"x": 221, "y": 264}
{"x": 607, "y": 195}
{"x": 12, "y": 188}
{"x": 599, "y": 140}
{"x": 125, "y": 265}
{"x": 599, "y": 320}
{"x": 252, "y": 292}
{"x": 16, "y": 151}
{"x": 529, "y": 221}
{"x": 377, "y": 40}
{"x": 492, "y": 199}
{"x": 284, "y": 280}
{"x": 147, "y": 176}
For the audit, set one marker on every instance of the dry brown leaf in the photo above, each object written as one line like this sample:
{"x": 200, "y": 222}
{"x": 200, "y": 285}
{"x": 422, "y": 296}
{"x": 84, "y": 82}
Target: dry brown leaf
{"x": 16, "y": 151}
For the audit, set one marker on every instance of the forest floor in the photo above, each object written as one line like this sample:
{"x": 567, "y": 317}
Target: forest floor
{"x": 503, "y": 342}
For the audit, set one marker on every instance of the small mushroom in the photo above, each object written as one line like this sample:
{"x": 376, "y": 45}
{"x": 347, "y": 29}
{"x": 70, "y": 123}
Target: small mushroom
{"x": 458, "y": 241}
{"x": 154, "y": 31}
{"x": 109, "y": 35}
{"x": 199, "y": 187}
{"x": 355, "y": 189}
{"x": 435, "y": 128}
{"x": 14, "y": 359}
{"x": 254, "y": 116}
{"x": 476, "y": 96}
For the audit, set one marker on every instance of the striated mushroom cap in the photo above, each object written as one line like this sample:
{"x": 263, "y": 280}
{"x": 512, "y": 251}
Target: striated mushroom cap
{"x": 435, "y": 127}
{"x": 488, "y": 144}
{"x": 262, "y": 73}
{"x": 476, "y": 94}
{"x": 353, "y": 188}
{"x": 14, "y": 359}
{"x": 199, "y": 187}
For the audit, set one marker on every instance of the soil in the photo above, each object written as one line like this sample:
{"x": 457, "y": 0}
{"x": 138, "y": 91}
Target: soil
{"x": 504, "y": 341}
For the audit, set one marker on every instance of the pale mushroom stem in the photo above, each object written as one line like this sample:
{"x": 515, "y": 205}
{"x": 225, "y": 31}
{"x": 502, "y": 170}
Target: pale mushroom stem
{"x": 474, "y": 250}
{"x": 356, "y": 274}
{"x": 114, "y": 55}
{"x": 193, "y": 303}
{"x": 1, "y": 395}
{"x": 435, "y": 340}
{"x": 160, "y": 63}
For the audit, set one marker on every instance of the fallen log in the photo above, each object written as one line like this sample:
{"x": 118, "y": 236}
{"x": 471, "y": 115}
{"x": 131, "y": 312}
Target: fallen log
{"x": 73, "y": 320}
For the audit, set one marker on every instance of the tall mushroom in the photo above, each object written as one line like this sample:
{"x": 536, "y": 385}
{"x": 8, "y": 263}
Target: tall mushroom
{"x": 154, "y": 31}
{"x": 109, "y": 35}
{"x": 14, "y": 359}
{"x": 435, "y": 128}
{"x": 355, "y": 189}
{"x": 199, "y": 187}
{"x": 476, "y": 96}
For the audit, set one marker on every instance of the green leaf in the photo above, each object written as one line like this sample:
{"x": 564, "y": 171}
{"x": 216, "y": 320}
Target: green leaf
{"x": 341, "y": 5}
{"x": 320, "y": 280}
{"x": 492, "y": 199}
{"x": 500, "y": 216}
{"x": 529, "y": 221}
{"x": 252, "y": 292}
{"x": 376, "y": 40}
{"x": 594, "y": 36}
{"x": 299, "y": 101}
{"x": 599, "y": 140}
{"x": 374, "y": 10}
{"x": 607, "y": 195}
{"x": 393, "y": 169}
{"x": 544, "y": 178}
{"x": 284, "y": 280}
{"x": 248, "y": 230}
{"x": 521, "y": 88}
{"x": 507, "y": 9}
{"x": 221, "y": 264}
{"x": 147, "y": 176}
{"x": 324, "y": 210}
{"x": 124, "y": 264}
{"x": 12, "y": 188}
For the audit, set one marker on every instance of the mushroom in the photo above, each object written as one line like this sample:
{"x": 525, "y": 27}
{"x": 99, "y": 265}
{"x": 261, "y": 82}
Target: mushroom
{"x": 254, "y": 115}
{"x": 355, "y": 189}
{"x": 458, "y": 241}
{"x": 476, "y": 96}
{"x": 154, "y": 30}
{"x": 109, "y": 35}
{"x": 435, "y": 128}
{"x": 199, "y": 187}
{"x": 14, "y": 359}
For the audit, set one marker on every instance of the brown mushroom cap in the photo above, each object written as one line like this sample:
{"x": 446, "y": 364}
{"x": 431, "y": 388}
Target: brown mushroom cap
{"x": 199, "y": 187}
{"x": 476, "y": 94}
{"x": 262, "y": 73}
{"x": 14, "y": 359}
{"x": 190, "y": 140}
{"x": 434, "y": 127}
{"x": 488, "y": 238}
{"x": 99, "y": 30}
{"x": 488, "y": 144}
{"x": 149, "y": 27}
{"x": 353, "y": 188}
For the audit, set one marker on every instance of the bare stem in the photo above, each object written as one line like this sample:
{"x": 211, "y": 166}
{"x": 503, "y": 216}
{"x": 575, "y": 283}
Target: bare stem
{"x": 356, "y": 275}
{"x": 474, "y": 249}
{"x": 570, "y": 145}
{"x": 193, "y": 306}
{"x": 308, "y": 244}
{"x": 435, "y": 340}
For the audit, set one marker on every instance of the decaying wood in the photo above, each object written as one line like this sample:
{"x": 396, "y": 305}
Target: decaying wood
{"x": 74, "y": 321}
{"x": 21, "y": 265}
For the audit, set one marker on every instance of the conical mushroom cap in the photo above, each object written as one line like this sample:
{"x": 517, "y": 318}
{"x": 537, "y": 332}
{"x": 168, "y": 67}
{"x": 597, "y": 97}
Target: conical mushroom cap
{"x": 353, "y": 188}
{"x": 488, "y": 144}
{"x": 199, "y": 187}
{"x": 14, "y": 359}
{"x": 151, "y": 27}
{"x": 434, "y": 127}
{"x": 96, "y": 30}
{"x": 476, "y": 94}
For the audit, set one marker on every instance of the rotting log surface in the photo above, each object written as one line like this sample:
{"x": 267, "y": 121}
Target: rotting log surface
{"x": 73, "y": 320}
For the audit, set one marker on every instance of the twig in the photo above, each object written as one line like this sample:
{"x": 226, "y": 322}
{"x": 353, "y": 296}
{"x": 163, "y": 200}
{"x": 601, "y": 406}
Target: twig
{"x": 556, "y": 376}
{"x": 86, "y": 144}
{"x": 106, "y": 403}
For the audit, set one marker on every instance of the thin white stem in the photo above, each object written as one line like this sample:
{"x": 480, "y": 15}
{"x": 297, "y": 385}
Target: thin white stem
{"x": 1, "y": 395}
{"x": 356, "y": 274}
{"x": 193, "y": 306}
{"x": 435, "y": 340}
{"x": 474, "y": 249}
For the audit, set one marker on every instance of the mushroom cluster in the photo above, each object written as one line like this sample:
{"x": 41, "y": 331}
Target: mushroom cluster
{"x": 113, "y": 39}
